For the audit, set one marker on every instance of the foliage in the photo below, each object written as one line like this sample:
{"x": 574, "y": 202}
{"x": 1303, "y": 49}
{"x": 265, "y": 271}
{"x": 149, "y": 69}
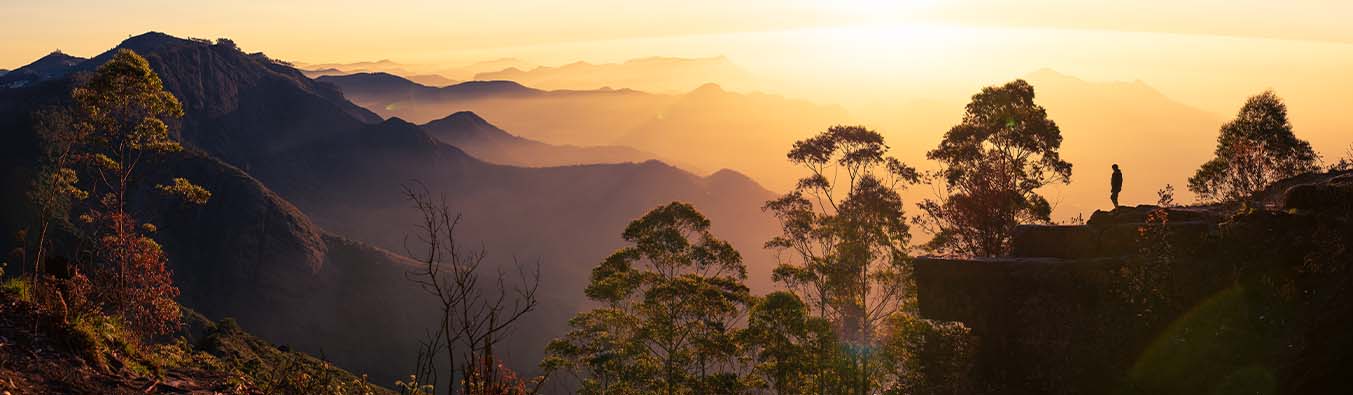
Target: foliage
{"x": 844, "y": 243}
{"x": 1255, "y": 149}
{"x": 227, "y": 43}
{"x": 21, "y": 288}
{"x": 929, "y": 357}
{"x": 117, "y": 122}
{"x": 1346, "y": 162}
{"x": 258, "y": 364}
{"x": 140, "y": 289}
{"x": 414, "y": 386}
{"x": 185, "y": 190}
{"x": 992, "y": 164}
{"x": 671, "y": 299}
{"x": 786, "y": 344}
{"x": 1147, "y": 280}
{"x": 55, "y": 185}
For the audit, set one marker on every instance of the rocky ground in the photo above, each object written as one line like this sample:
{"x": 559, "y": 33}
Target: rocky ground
{"x": 40, "y": 353}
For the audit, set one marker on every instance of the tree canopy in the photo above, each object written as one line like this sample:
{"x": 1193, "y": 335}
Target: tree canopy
{"x": 844, "y": 242}
{"x": 992, "y": 165}
{"x": 1254, "y": 150}
{"x": 671, "y": 301}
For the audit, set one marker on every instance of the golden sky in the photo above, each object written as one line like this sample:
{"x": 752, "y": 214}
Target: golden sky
{"x": 348, "y": 30}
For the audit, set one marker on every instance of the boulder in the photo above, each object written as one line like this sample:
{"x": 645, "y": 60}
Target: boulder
{"x": 1138, "y": 214}
{"x": 1054, "y": 241}
{"x": 1320, "y": 197}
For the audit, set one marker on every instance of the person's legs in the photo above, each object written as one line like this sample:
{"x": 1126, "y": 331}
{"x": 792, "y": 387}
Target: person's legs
{"x": 1114, "y": 198}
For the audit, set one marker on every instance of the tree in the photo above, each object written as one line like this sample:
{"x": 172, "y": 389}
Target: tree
{"x": 844, "y": 240}
{"x": 783, "y": 338}
{"x": 991, "y": 165}
{"x": 117, "y": 123}
{"x": 55, "y": 185}
{"x": 472, "y": 319}
{"x": 1254, "y": 150}
{"x": 1346, "y": 162}
{"x": 929, "y": 357}
{"x": 671, "y": 299}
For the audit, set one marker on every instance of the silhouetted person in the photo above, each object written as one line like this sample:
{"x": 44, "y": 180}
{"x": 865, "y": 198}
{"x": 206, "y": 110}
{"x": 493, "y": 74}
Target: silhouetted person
{"x": 1116, "y": 184}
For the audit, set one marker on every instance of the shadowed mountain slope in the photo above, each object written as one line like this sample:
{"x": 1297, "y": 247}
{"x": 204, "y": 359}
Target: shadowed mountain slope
{"x": 247, "y": 253}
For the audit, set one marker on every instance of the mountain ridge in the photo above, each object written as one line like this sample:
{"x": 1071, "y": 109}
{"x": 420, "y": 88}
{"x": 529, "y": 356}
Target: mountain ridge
{"x": 53, "y": 65}
{"x": 475, "y": 135}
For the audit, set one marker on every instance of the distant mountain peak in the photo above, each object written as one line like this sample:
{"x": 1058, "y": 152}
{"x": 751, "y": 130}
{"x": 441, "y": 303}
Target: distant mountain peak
{"x": 461, "y": 120}
{"x": 730, "y": 175}
{"x": 152, "y": 39}
{"x": 56, "y": 57}
{"x": 669, "y": 59}
{"x": 494, "y": 86}
{"x": 52, "y": 65}
{"x": 501, "y": 83}
{"x": 708, "y": 88}
{"x": 466, "y": 116}
{"x": 1050, "y": 74}
{"x": 378, "y": 75}
{"x": 466, "y": 124}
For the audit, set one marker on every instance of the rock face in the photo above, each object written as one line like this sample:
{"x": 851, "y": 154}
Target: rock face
{"x": 1018, "y": 310}
{"x": 1109, "y": 233}
{"x": 1218, "y": 299}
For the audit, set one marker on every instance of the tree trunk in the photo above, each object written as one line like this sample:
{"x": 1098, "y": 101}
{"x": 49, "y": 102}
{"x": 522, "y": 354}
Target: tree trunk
{"x": 37, "y": 260}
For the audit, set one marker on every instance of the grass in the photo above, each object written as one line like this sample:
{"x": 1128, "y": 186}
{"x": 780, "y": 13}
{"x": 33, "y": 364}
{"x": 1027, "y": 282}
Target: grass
{"x": 220, "y": 352}
{"x": 19, "y": 287}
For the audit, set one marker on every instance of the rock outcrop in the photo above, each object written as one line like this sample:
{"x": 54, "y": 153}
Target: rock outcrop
{"x": 1220, "y": 297}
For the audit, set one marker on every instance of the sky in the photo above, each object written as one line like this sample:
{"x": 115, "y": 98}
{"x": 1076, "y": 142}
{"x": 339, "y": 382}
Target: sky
{"x": 349, "y": 30}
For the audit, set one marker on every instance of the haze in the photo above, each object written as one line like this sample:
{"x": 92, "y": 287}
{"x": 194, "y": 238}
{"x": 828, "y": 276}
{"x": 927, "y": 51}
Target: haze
{"x": 904, "y": 68}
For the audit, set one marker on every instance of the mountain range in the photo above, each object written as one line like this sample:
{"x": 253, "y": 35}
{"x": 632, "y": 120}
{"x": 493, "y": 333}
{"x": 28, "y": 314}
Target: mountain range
{"x": 707, "y": 127}
{"x": 432, "y": 75}
{"x": 307, "y": 207}
{"x": 652, "y": 74}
